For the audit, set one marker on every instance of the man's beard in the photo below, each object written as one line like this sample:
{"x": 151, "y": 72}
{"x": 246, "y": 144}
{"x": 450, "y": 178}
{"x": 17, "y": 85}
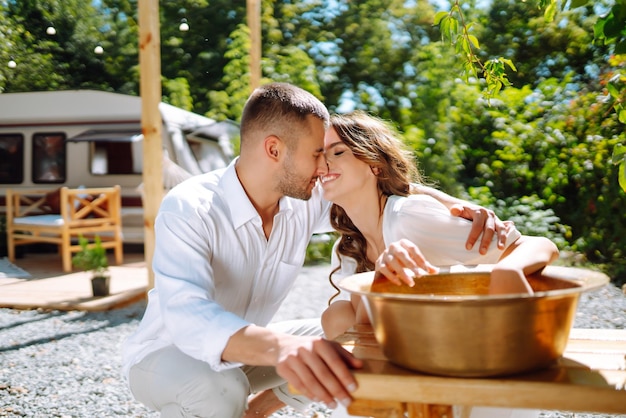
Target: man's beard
{"x": 291, "y": 182}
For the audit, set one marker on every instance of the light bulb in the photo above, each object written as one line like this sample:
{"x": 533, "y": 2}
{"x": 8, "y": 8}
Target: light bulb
{"x": 98, "y": 50}
{"x": 51, "y": 30}
{"x": 12, "y": 64}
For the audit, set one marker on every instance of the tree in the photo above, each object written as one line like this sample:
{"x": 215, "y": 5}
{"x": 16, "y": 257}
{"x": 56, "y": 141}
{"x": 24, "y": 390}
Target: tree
{"x": 64, "y": 58}
{"x": 371, "y": 48}
{"x": 552, "y": 49}
{"x": 285, "y": 57}
{"x": 199, "y": 54}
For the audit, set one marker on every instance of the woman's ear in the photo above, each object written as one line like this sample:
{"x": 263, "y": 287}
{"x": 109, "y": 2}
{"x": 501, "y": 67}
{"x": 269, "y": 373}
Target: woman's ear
{"x": 375, "y": 170}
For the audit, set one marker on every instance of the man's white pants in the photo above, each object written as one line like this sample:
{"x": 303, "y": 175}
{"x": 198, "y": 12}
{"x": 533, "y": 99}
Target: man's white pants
{"x": 178, "y": 385}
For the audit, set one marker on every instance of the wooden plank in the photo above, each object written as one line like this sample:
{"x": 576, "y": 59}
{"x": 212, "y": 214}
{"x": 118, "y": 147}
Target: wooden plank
{"x": 151, "y": 121}
{"x": 591, "y": 377}
{"x": 420, "y": 410}
{"x": 378, "y": 409}
{"x": 598, "y": 334}
{"x": 596, "y": 361}
{"x": 253, "y": 11}
{"x": 368, "y": 352}
{"x": 390, "y": 409}
{"x": 556, "y": 388}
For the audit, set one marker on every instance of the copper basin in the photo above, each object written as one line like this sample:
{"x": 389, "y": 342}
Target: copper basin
{"x": 448, "y": 325}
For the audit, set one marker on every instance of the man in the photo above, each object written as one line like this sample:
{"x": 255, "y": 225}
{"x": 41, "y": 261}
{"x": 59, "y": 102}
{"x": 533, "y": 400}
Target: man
{"x": 229, "y": 245}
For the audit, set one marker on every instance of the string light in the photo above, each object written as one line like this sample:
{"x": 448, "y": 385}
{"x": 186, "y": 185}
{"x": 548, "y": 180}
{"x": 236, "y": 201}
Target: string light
{"x": 99, "y": 50}
{"x": 184, "y": 26}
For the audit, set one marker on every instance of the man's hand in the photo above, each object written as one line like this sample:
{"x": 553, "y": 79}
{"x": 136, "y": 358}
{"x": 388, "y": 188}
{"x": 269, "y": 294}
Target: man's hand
{"x": 485, "y": 222}
{"x": 318, "y": 368}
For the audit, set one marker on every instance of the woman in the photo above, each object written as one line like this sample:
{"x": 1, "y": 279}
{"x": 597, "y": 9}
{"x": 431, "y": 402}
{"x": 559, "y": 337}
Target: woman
{"x": 368, "y": 181}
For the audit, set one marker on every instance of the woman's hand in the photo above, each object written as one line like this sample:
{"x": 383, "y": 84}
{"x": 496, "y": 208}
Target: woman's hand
{"x": 402, "y": 261}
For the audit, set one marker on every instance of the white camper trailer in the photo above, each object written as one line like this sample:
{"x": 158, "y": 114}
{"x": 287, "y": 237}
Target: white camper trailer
{"x": 93, "y": 139}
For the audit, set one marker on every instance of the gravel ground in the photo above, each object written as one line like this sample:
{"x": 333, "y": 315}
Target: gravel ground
{"x": 67, "y": 364}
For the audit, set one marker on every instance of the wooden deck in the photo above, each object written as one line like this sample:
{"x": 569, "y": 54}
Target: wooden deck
{"x": 50, "y": 288}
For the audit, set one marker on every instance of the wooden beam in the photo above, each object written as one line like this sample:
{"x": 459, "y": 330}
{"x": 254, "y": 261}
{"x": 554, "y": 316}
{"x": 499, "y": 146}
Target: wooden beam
{"x": 253, "y": 8}
{"x": 151, "y": 123}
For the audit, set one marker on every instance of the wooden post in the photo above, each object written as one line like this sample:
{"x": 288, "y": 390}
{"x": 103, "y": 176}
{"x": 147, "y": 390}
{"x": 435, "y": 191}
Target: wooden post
{"x": 151, "y": 123}
{"x": 253, "y": 9}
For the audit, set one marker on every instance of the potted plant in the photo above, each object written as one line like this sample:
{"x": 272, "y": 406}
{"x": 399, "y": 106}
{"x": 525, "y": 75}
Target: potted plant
{"x": 93, "y": 258}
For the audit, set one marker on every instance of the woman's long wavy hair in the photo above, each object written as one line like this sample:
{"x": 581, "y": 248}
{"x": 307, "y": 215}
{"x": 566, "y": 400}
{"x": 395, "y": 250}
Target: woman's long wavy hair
{"x": 378, "y": 144}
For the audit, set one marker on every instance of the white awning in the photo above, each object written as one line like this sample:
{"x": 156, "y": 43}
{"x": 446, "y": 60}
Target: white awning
{"x": 108, "y": 135}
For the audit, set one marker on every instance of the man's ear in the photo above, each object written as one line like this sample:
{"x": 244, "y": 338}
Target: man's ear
{"x": 273, "y": 146}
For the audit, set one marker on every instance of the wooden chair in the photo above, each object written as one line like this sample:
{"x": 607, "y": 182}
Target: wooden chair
{"x": 33, "y": 217}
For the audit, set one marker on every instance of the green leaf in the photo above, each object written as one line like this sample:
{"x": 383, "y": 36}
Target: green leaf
{"x": 444, "y": 27}
{"x": 598, "y": 28}
{"x": 439, "y": 16}
{"x": 469, "y": 70}
{"x": 474, "y": 41}
{"x": 578, "y": 3}
{"x": 454, "y": 26}
{"x": 620, "y": 47}
{"x": 622, "y": 176}
{"x": 622, "y": 116}
{"x": 466, "y": 46}
{"x": 612, "y": 90}
{"x": 613, "y": 27}
{"x": 619, "y": 154}
{"x": 550, "y": 11}
{"x": 509, "y": 63}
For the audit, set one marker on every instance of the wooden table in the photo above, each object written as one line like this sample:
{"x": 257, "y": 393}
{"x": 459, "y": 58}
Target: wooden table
{"x": 590, "y": 377}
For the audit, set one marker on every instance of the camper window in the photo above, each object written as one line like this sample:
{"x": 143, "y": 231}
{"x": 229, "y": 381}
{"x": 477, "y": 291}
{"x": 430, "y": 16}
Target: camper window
{"x": 11, "y": 159}
{"x": 111, "y": 157}
{"x": 49, "y": 158}
{"x": 114, "y": 150}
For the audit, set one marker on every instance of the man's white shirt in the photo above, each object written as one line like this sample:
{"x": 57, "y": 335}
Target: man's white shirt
{"x": 215, "y": 272}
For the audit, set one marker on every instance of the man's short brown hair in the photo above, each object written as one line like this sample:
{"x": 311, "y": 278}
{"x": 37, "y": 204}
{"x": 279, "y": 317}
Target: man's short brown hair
{"x": 279, "y": 107}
